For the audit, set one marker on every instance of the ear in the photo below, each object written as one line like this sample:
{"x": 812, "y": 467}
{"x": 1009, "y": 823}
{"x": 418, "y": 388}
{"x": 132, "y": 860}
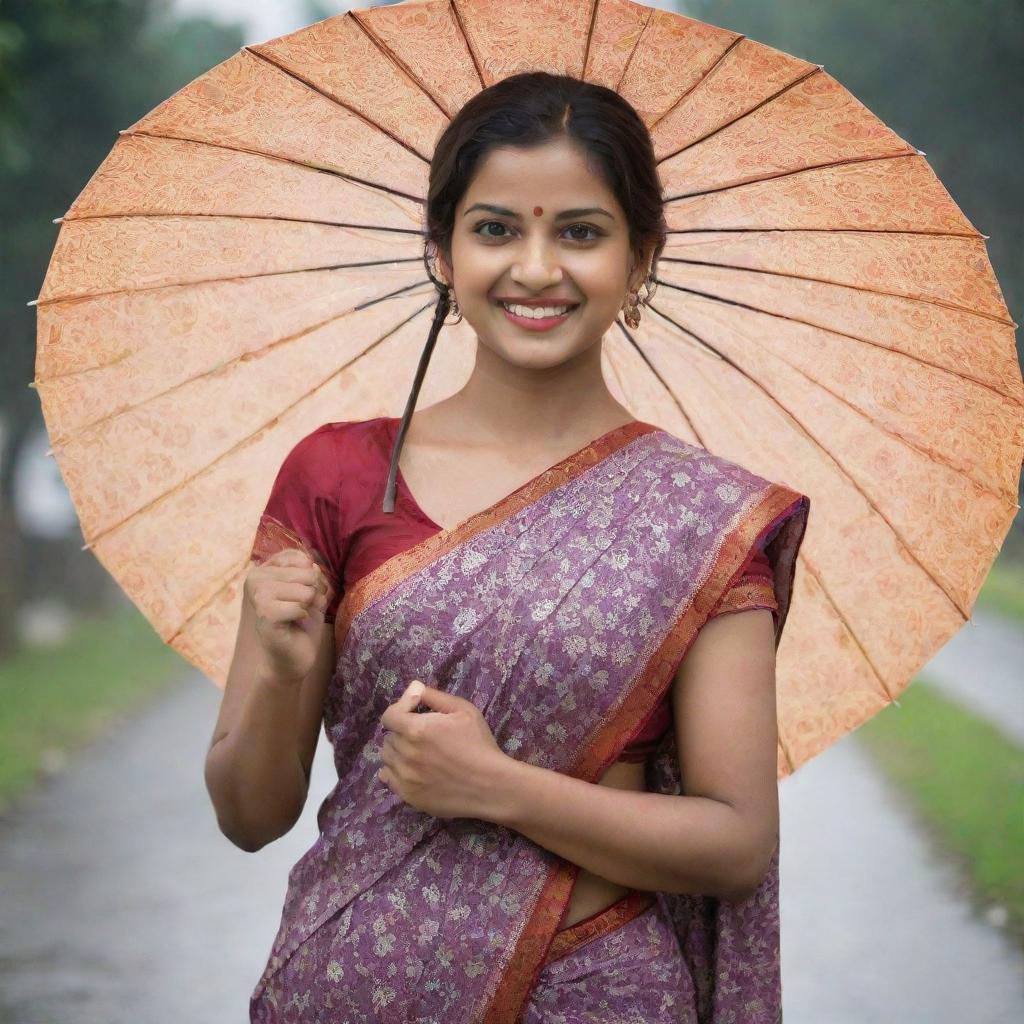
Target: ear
{"x": 446, "y": 267}
{"x": 642, "y": 269}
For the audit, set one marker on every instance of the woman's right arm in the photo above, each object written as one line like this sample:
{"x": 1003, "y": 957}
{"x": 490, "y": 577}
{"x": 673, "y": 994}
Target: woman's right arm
{"x": 260, "y": 758}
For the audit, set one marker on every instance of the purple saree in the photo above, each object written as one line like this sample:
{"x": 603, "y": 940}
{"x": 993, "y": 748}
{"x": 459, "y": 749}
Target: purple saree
{"x": 562, "y": 612}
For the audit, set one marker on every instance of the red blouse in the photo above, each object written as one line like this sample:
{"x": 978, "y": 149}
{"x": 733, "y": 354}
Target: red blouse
{"x": 329, "y": 492}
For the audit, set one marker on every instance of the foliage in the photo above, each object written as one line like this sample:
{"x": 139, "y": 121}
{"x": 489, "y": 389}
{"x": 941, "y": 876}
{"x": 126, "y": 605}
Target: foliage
{"x": 72, "y": 74}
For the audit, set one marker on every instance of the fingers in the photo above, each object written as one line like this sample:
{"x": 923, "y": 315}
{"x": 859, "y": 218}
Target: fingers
{"x": 296, "y": 566}
{"x": 294, "y": 601}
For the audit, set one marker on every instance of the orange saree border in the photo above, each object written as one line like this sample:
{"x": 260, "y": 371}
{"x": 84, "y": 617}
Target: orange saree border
{"x": 534, "y": 943}
{"x": 378, "y": 582}
{"x": 568, "y": 940}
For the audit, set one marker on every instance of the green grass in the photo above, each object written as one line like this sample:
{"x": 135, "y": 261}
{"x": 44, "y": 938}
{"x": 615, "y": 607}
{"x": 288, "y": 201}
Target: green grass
{"x": 965, "y": 782}
{"x": 1003, "y": 590}
{"x": 58, "y": 699}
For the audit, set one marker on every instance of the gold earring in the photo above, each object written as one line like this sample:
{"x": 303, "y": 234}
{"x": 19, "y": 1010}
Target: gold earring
{"x": 631, "y": 310}
{"x": 453, "y": 303}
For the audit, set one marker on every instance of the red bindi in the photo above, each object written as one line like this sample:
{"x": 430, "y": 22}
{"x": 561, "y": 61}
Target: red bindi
{"x": 537, "y": 211}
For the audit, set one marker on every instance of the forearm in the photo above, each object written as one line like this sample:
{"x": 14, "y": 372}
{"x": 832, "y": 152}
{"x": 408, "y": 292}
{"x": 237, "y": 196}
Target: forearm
{"x": 254, "y": 774}
{"x": 647, "y": 841}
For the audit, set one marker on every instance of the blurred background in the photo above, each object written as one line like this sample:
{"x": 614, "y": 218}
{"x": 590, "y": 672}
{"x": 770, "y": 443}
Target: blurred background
{"x": 903, "y": 875}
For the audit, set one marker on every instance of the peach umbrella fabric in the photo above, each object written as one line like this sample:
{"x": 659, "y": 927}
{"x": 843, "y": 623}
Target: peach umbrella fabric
{"x": 246, "y": 265}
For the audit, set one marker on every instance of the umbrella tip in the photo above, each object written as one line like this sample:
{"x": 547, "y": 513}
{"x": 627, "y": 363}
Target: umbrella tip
{"x": 34, "y": 302}
{"x": 31, "y": 383}
{"x": 85, "y": 547}
{"x": 921, "y": 152}
{"x": 57, "y": 220}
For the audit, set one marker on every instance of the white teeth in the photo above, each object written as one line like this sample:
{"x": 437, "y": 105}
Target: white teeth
{"x": 536, "y": 312}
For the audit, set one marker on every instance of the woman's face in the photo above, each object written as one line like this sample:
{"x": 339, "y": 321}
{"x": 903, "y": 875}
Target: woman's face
{"x": 534, "y": 247}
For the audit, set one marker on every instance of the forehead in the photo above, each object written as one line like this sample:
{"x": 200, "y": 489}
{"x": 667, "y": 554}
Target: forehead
{"x": 555, "y": 173}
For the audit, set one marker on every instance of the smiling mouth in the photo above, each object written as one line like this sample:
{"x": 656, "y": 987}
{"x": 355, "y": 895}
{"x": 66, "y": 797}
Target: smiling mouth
{"x": 523, "y": 311}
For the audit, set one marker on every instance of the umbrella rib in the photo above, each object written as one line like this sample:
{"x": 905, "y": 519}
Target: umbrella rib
{"x": 590, "y": 38}
{"x": 661, "y": 380}
{"x": 791, "y": 172}
{"x": 453, "y": 6}
{"x": 923, "y": 299}
{"x": 357, "y": 18}
{"x": 216, "y": 280}
{"x": 92, "y": 541}
{"x": 240, "y": 216}
{"x": 705, "y": 75}
{"x": 56, "y": 443}
{"x": 828, "y": 454}
{"x": 927, "y": 453}
{"x": 312, "y": 87}
{"x": 263, "y": 154}
{"x": 802, "y": 556}
{"x": 827, "y": 231}
{"x": 813, "y": 70}
{"x": 842, "y": 334}
{"x": 632, "y": 53}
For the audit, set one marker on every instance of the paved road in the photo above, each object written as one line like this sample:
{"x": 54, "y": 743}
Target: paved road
{"x": 123, "y": 904}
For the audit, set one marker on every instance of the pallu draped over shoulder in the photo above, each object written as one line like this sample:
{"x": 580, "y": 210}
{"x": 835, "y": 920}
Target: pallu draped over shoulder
{"x": 562, "y": 612}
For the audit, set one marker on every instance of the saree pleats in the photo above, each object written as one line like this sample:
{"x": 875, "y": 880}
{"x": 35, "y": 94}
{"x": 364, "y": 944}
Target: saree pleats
{"x": 563, "y": 613}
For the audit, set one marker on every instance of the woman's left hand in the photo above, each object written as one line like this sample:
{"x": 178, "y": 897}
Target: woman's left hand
{"x": 446, "y": 763}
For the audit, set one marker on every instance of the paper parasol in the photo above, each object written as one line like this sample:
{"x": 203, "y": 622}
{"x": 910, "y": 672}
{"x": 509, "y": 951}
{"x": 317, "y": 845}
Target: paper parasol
{"x": 246, "y": 265}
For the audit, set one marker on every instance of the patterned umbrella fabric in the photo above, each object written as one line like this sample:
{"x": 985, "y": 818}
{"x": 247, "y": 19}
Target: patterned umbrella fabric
{"x": 246, "y": 265}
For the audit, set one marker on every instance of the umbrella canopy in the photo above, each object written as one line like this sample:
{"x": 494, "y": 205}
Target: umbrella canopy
{"x": 246, "y": 265}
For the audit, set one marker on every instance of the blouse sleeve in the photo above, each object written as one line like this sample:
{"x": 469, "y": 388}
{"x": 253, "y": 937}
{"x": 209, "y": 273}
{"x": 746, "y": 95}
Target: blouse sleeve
{"x": 302, "y": 511}
{"x": 767, "y": 579}
{"x": 754, "y": 588}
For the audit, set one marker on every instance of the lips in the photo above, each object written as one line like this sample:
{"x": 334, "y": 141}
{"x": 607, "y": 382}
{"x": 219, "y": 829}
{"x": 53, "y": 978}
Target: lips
{"x": 544, "y": 323}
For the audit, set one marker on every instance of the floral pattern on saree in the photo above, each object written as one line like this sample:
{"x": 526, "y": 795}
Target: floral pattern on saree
{"x": 563, "y": 613}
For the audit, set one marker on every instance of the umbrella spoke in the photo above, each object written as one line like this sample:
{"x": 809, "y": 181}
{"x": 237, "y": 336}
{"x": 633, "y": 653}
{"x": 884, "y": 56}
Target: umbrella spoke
{"x": 216, "y": 280}
{"x": 242, "y": 442}
{"x": 829, "y": 456}
{"x": 63, "y": 440}
{"x": 958, "y": 375}
{"x": 266, "y": 58}
{"x": 266, "y": 155}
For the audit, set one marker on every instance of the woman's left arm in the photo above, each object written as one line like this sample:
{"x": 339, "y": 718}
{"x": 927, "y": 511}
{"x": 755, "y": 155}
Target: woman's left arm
{"x": 718, "y": 838}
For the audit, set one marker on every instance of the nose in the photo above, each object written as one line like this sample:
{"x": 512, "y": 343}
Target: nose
{"x": 536, "y": 270}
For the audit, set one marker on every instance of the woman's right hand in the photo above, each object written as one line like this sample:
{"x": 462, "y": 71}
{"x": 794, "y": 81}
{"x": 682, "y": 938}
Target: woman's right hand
{"x": 288, "y": 593}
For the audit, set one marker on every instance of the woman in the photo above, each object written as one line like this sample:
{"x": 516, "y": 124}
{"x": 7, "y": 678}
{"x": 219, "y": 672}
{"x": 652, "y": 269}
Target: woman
{"x": 513, "y": 841}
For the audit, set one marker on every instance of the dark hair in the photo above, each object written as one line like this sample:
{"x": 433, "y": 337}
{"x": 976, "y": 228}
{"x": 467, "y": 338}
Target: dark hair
{"x": 531, "y": 109}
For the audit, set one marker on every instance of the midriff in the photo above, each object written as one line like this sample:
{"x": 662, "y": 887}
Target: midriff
{"x": 591, "y": 892}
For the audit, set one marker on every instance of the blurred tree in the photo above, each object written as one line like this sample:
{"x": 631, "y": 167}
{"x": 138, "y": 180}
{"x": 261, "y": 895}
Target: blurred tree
{"x": 72, "y": 74}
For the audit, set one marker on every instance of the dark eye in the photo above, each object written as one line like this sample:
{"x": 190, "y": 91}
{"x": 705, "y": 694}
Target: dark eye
{"x": 478, "y": 230}
{"x": 488, "y": 223}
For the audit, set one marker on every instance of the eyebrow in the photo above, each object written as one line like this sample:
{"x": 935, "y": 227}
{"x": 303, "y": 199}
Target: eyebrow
{"x": 582, "y": 211}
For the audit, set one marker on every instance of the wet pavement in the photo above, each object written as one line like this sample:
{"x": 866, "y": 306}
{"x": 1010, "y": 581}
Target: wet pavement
{"x": 123, "y": 903}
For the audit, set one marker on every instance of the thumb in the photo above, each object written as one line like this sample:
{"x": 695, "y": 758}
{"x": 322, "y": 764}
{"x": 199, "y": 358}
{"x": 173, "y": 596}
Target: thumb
{"x": 410, "y": 699}
{"x": 438, "y": 700}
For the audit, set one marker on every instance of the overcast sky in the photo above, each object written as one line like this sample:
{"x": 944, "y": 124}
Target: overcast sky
{"x": 265, "y": 19}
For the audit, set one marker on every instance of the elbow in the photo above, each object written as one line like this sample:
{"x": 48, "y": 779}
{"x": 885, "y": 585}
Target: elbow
{"x": 248, "y": 830}
{"x": 746, "y": 880}
{"x": 246, "y": 843}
